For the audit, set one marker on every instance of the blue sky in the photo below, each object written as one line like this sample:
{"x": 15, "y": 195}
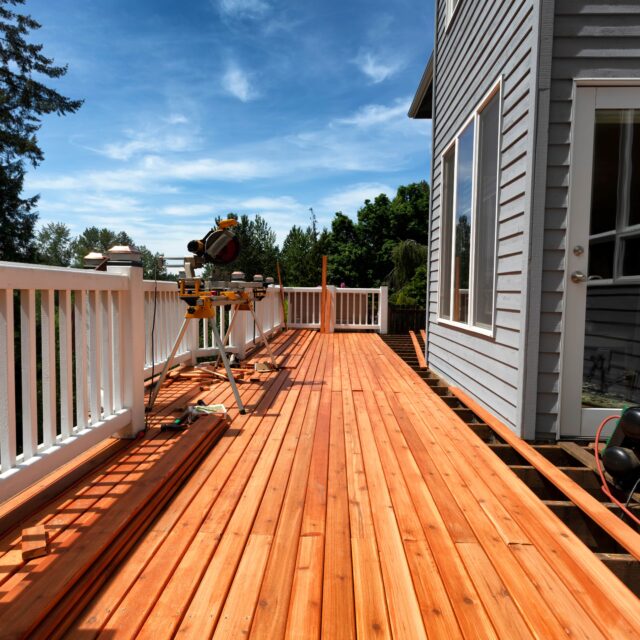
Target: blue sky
{"x": 199, "y": 108}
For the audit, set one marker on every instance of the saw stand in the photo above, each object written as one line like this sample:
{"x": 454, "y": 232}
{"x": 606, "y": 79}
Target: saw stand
{"x": 208, "y": 310}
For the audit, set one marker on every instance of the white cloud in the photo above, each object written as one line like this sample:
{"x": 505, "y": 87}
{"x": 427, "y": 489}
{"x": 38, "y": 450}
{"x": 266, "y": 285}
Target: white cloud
{"x": 352, "y": 198}
{"x": 145, "y": 143}
{"x": 243, "y": 8}
{"x": 235, "y": 81}
{"x": 376, "y": 69}
{"x": 176, "y": 118}
{"x": 373, "y": 114}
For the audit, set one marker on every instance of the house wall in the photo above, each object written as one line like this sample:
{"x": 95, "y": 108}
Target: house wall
{"x": 591, "y": 39}
{"x": 486, "y": 40}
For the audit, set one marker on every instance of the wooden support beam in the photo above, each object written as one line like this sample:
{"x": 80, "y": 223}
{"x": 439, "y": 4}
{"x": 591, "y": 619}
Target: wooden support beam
{"x": 418, "y": 349}
{"x": 323, "y": 298}
{"x": 621, "y": 532}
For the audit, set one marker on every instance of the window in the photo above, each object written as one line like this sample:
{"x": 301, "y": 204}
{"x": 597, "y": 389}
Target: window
{"x": 468, "y": 223}
{"x": 452, "y": 5}
{"x": 614, "y": 234}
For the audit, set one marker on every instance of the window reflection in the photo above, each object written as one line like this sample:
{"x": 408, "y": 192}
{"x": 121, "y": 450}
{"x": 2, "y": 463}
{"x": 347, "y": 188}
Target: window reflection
{"x": 464, "y": 203}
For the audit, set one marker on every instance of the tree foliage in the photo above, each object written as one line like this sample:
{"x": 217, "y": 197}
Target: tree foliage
{"x": 301, "y": 255}
{"x": 100, "y": 240}
{"x": 24, "y": 99}
{"x": 54, "y": 244}
{"x": 361, "y": 252}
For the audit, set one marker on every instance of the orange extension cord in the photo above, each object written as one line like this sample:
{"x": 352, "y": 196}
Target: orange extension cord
{"x": 605, "y": 484}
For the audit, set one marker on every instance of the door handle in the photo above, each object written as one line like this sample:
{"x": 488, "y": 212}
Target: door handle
{"x": 578, "y": 276}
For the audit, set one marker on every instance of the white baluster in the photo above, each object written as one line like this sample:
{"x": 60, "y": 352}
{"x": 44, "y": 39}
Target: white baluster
{"x": 95, "y": 335}
{"x": 82, "y": 395}
{"x": 48, "y": 334}
{"x": 29, "y": 385}
{"x": 106, "y": 314}
{"x": 7, "y": 383}
{"x": 65, "y": 331}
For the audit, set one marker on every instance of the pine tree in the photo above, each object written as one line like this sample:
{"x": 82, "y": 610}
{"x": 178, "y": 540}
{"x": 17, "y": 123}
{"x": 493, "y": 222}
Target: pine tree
{"x": 24, "y": 99}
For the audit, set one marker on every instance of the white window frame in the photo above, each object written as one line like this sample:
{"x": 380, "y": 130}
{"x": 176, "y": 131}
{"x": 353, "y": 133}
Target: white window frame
{"x": 452, "y": 7}
{"x": 470, "y": 326}
{"x": 622, "y": 231}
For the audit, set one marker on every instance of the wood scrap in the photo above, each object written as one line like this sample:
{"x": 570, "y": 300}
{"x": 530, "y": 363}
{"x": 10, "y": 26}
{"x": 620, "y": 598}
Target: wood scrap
{"x": 35, "y": 542}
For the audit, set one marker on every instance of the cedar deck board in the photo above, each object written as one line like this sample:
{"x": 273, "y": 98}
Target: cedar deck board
{"x": 335, "y": 499}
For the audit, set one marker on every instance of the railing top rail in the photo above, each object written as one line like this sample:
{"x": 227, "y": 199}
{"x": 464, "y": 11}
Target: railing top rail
{"x": 357, "y": 290}
{"x": 15, "y": 275}
{"x": 287, "y": 289}
{"x": 161, "y": 285}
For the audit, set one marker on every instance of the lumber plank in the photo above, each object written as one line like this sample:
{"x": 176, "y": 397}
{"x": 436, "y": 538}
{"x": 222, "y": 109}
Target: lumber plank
{"x": 418, "y": 349}
{"x": 462, "y": 595}
{"x": 179, "y": 576}
{"x": 270, "y": 617}
{"x": 404, "y": 611}
{"x": 304, "y": 616}
{"x": 372, "y": 617}
{"x": 163, "y": 541}
{"x": 205, "y": 606}
{"x": 338, "y": 609}
{"x": 51, "y": 576}
{"x": 503, "y": 611}
{"x": 238, "y": 608}
{"x": 100, "y": 570}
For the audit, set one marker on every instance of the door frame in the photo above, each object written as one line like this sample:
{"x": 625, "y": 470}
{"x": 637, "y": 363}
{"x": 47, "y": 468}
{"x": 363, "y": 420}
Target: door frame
{"x": 588, "y": 95}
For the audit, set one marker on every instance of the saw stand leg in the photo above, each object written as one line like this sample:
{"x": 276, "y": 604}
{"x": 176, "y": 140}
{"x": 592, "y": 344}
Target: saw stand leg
{"x": 167, "y": 364}
{"x": 222, "y": 354}
{"x": 260, "y": 331}
{"x": 263, "y": 337}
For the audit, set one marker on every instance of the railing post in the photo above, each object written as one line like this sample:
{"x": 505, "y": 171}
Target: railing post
{"x": 132, "y": 348}
{"x": 238, "y": 335}
{"x": 331, "y": 293}
{"x": 383, "y": 309}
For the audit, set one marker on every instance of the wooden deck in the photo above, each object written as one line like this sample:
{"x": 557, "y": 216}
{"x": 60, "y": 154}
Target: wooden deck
{"x": 351, "y": 501}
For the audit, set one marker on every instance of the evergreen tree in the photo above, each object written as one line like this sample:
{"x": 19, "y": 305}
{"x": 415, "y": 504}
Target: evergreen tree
{"x": 53, "y": 244}
{"x": 24, "y": 99}
{"x": 100, "y": 240}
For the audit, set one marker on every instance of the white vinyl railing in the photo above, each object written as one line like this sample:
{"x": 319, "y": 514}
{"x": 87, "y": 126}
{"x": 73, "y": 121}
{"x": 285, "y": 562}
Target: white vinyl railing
{"x": 303, "y": 307}
{"x": 352, "y": 309}
{"x": 67, "y": 344}
{"x": 361, "y": 309}
{"x": 75, "y": 349}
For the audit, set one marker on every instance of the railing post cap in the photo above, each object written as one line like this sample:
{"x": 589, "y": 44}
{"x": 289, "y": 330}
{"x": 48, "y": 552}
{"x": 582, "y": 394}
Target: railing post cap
{"x": 128, "y": 255}
{"x": 237, "y": 276}
{"x": 93, "y": 260}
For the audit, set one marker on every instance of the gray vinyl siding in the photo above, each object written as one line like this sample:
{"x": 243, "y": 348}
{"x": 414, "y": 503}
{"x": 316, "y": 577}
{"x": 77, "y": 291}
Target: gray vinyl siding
{"x": 591, "y": 39}
{"x": 487, "y": 40}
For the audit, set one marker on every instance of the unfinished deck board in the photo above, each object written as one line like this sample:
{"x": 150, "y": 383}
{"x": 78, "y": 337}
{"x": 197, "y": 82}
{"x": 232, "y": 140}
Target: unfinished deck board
{"x": 350, "y": 502}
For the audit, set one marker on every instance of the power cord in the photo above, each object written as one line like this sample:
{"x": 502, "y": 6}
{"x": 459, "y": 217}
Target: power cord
{"x": 153, "y": 342}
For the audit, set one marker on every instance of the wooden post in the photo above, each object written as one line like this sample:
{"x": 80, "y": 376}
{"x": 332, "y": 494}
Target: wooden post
{"x": 284, "y": 315}
{"x": 384, "y": 309}
{"x": 323, "y": 298}
{"x": 132, "y": 355}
